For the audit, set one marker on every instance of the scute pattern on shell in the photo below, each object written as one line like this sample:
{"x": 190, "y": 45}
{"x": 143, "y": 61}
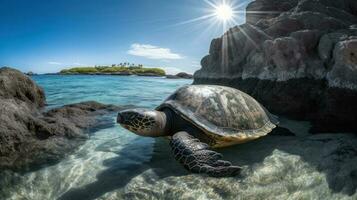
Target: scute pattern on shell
{"x": 221, "y": 111}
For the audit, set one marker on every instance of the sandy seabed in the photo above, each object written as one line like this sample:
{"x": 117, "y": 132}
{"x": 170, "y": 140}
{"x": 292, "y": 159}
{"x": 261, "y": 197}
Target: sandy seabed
{"x": 123, "y": 166}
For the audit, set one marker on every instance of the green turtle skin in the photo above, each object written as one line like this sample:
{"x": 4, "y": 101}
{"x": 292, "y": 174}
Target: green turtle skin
{"x": 198, "y": 117}
{"x": 226, "y": 115}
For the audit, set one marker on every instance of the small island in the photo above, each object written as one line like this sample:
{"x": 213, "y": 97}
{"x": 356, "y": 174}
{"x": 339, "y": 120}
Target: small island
{"x": 120, "y": 69}
{"x": 181, "y": 75}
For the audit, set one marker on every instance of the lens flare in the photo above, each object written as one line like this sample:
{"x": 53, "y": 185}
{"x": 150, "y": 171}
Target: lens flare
{"x": 224, "y": 12}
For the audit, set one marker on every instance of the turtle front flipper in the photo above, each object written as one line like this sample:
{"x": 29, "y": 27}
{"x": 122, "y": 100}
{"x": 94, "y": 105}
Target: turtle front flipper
{"x": 197, "y": 158}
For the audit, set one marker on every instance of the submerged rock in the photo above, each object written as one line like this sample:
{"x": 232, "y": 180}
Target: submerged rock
{"x": 275, "y": 167}
{"x": 112, "y": 166}
{"x": 296, "y": 57}
{"x": 30, "y": 137}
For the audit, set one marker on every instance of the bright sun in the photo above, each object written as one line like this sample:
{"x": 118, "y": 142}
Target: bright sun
{"x": 224, "y": 12}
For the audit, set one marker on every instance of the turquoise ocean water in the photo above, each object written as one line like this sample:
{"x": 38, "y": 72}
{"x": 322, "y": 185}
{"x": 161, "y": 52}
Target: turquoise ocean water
{"x": 110, "y": 152}
{"x": 118, "y": 90}
{"x": 116, "y": 164}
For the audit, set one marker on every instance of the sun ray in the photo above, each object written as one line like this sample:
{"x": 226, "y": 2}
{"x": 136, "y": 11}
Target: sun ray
{"x": 236, "y": 7}
{"x": 194, "y": 20}
{"x": 210, "y": 3}
{"x": 261, "y": 12}
{"x": 223, "y": 13}
{"x": 248, "y": 37}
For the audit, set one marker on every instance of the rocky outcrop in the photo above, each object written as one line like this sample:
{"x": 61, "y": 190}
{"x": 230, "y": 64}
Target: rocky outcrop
{"x": 20, "y": 88}
{"x": 30, "y": 73}
{"x": 297, "y": 57}
{"x": 183, "y": 75}
{"x": 30, "y": 137}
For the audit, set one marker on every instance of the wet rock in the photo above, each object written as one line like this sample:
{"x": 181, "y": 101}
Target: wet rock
{"x": 29, "y": 137}
{"x": 344, "y": 71}
{"x": 296, "y": 57}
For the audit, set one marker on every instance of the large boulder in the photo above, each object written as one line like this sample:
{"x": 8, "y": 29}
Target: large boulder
{"x": 29, "y": 137}
{"x": 15, "y": 85}
{"x": 297, "y": 57}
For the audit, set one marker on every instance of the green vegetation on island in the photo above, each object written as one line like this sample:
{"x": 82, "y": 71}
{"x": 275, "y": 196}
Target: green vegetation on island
{"x": 121, "y": 69}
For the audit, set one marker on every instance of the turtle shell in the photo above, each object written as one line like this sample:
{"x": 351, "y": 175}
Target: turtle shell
{"x": 226, "y": 114}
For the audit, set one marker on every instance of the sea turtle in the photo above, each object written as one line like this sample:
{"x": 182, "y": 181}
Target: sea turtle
{"x": 199, "y": 117}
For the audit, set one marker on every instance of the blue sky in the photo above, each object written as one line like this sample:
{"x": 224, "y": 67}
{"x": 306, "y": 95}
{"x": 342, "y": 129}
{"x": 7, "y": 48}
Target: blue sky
{"x": 49, "y": 35}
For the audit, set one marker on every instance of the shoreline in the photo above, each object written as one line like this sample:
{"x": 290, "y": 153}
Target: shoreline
{"x": 115, "y": 74}
{"x": 118, "y": 71}
{"x": 104, "y": 74}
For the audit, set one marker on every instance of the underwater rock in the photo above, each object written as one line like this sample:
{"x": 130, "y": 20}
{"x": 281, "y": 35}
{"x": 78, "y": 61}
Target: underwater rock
{"x": 280, "y": 167}
{"x": 30, "y": 137}
{"x": 304, "y": 166}
{"x": 296, "y": 57}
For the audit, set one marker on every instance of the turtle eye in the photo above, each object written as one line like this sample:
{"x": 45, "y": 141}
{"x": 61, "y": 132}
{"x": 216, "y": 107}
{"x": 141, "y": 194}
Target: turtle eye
{"x": 132, "y": 117}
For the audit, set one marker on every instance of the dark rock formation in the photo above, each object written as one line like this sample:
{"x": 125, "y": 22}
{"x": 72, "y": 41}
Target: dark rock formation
{"x": 180, "y": 75}
{"x": 20, "y": 88}
{"x": 297, "y": 57}
{"x": 122, "y": 73}
{"x": 148, "y": 74}
{"x": 29, "y": 137}
{"x": 30, "y": 73}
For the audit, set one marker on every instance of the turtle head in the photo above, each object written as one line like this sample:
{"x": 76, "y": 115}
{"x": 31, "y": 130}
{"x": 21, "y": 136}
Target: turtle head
{"x": 143, "y": 122}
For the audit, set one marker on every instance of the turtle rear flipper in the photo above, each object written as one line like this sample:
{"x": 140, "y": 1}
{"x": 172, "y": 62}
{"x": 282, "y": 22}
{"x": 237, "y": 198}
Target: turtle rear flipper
{"x": 197, "y": 158}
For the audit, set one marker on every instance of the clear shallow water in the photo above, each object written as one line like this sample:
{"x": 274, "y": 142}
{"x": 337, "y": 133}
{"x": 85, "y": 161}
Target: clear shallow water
{"x": 116, "y": 164}
{"x": 113, "y": 149}
{"x": 118, "y": 90}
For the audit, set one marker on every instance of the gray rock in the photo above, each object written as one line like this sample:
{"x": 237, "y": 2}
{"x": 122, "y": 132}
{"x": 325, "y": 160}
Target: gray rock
{"x": 287, "y": 46}
{"x": 15, "y": 85}
{"x": 329, "y": 8}
{"x": 30, "y": 138}
{"x": 258, "y": 10}
{"x": 30, "y": 73}
{"x": 344, "y": 70}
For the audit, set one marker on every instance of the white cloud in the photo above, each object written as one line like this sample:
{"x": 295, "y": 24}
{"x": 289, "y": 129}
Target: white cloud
{"x": 54, "y": 63}
{"x": 196, "y": 64}
{"x": 172, "y": 70}
{"x": 153, "y": 52}
{"x": 76, "y": 63}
